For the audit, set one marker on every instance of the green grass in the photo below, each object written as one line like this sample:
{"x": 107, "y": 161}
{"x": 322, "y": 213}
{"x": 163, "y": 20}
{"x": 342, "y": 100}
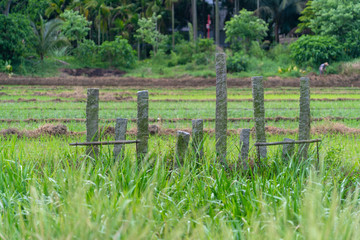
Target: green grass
{"x": 49, "y": 191}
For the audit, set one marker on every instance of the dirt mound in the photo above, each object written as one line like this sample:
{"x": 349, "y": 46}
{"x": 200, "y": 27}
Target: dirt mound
{"x": 47, "y": 129}
{"x": 93, "y": 72}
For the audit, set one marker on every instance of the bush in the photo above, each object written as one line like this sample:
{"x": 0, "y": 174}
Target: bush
{"x": 314, "y": 50}
{"x": 238, "y": 62}
{"x": 184, "y": 51}
{"x": 86, "y": 52}
{"x": 118, "y": 53}
{"x": 15, "y": 33}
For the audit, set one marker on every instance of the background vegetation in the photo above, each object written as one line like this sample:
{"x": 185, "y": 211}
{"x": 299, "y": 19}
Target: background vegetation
{"x": 163, "y": 36}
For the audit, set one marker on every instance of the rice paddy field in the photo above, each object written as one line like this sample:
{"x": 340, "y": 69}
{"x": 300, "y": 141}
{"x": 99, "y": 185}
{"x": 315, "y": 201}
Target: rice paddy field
{"x": 48, "y": 190}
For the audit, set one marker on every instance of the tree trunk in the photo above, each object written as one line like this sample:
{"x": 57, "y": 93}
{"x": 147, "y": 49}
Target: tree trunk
{"x": 173, "y": 25}
{"x": 276, "y": 31}
{"x": 7, "y": 8}
{"x": 99, "y": 28}
{"x": 236, "y": 11}
{"x": 217, "y": 27}
{"x": 194, "y": 15}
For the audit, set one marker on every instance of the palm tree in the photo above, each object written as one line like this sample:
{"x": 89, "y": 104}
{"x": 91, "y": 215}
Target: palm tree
{"x": 279, "y": 9}
{"x": 102, "y": 12}
{"x": 57, "y": 7}
{"x": 47, "y": 36}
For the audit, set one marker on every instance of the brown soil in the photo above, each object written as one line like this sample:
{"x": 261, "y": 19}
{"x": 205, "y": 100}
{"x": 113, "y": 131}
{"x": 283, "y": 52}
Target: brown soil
{"x": 47, "y": 129}
{"x": 131, "y": 99}
{"x": 113, "y": 79}
{"x": 59, "y": 130}
{"x": 93, "y": 72}
{"x": 172, "y": 120}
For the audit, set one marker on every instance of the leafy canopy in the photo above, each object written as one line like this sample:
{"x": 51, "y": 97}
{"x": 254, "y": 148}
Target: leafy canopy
{"x": 75, "y": 26}
{"x": 244, "y": 28}
{"x": 15, "y": 33}
{"x": 149, "y": 33}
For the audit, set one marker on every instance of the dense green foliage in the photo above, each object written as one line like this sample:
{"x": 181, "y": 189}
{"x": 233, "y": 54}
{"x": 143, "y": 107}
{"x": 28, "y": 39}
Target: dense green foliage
{"x": 243, "y": 29}
{"x": 118, "y": 53}
{"x": 15, "y": 34}
{"x": 75, "y": 26}
{"x": 315, "y": 50}
{"x": 86, "y": 52}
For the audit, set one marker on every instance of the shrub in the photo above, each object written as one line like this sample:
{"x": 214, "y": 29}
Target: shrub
{"x": 86, "y": 52}
{"x": 313, "y": 50}
{"x": 238, "y": 62}
{"x": 184, "y": 51}
{"x": 118, "y": 53}
{"x": 15, "y": 33}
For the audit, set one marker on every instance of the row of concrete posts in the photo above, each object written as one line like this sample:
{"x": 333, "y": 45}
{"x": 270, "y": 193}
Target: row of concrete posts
{"x": 183, "y": 138}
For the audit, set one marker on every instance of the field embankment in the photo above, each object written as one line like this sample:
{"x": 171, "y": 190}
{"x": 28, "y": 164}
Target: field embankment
{"x": 332, "y": 80}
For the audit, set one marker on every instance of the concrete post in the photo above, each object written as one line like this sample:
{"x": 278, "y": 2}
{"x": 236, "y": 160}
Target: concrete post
{"x": 182, "y": 143}
{"x": 304, "y": 118}
{"x": 120, "y": 134}
{"x": 288, "y": 149}
{"x": 259, "y": 113}
{"x": 92, "y": 120}
{"x": 221, "y": 107}
{"x": 244, "y": 148}
{"x": 198, "y": 138}
{"x": 142, "y": 124}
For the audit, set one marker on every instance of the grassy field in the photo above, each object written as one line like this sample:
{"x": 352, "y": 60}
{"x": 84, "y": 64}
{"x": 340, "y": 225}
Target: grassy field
{"x": 49, "y": 191}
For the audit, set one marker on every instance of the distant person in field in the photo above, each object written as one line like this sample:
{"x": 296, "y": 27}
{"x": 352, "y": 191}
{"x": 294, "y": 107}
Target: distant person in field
{"x": 322, "y": 68}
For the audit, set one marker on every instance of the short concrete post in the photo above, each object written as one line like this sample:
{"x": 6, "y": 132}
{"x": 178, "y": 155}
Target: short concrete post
{"x": 142, "y": 124}
{"x": 120, "y": 134}
{"x": 288, "y": 149}
{"x": 182, "y": 143}
{"x": 221, "y": 107}
{"x": 259, "y": 113}
{"x": 198, "y": 138}
{"x": 244, "y": 148}
{"x": 304, "y": 118}
{"x": 92, "y": 120}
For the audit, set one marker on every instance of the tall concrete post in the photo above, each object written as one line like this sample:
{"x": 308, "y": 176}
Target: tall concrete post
{"x": 92, "y": 120}
{"x": 198, "y": 138}
{"x": 142, "y": 124}
{"x": 304, "y": 118}
{"x": 221, "y": 107}
{"x": 259, "y": 113}
{"x": 182, "y": 143}
{"x": 120, "y": 134}
{"x": 244, "y": 148}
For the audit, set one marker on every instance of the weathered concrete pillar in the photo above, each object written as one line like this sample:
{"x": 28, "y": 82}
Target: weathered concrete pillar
{"x": 221, "y": 107}
{"x": 259, "y": 113}
{"x": 244, "y": 147}
{"x": 92, "y": 120}
{"x": 182, "y": 143}
{"x": 288, "y": 149}
{"x": 120, "y": 134}
{"x": 304, "y": 118}
{"x": 198, "y": 138}
{"x": 142, "y": 124}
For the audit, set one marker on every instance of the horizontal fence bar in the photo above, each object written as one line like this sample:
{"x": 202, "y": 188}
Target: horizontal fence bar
{"x": 287, "y": 142}
{"x": 105, "y": 143}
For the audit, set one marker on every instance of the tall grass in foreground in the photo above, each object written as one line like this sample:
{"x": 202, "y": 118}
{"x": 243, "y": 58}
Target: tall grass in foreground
{"x": 48, "y": 192}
